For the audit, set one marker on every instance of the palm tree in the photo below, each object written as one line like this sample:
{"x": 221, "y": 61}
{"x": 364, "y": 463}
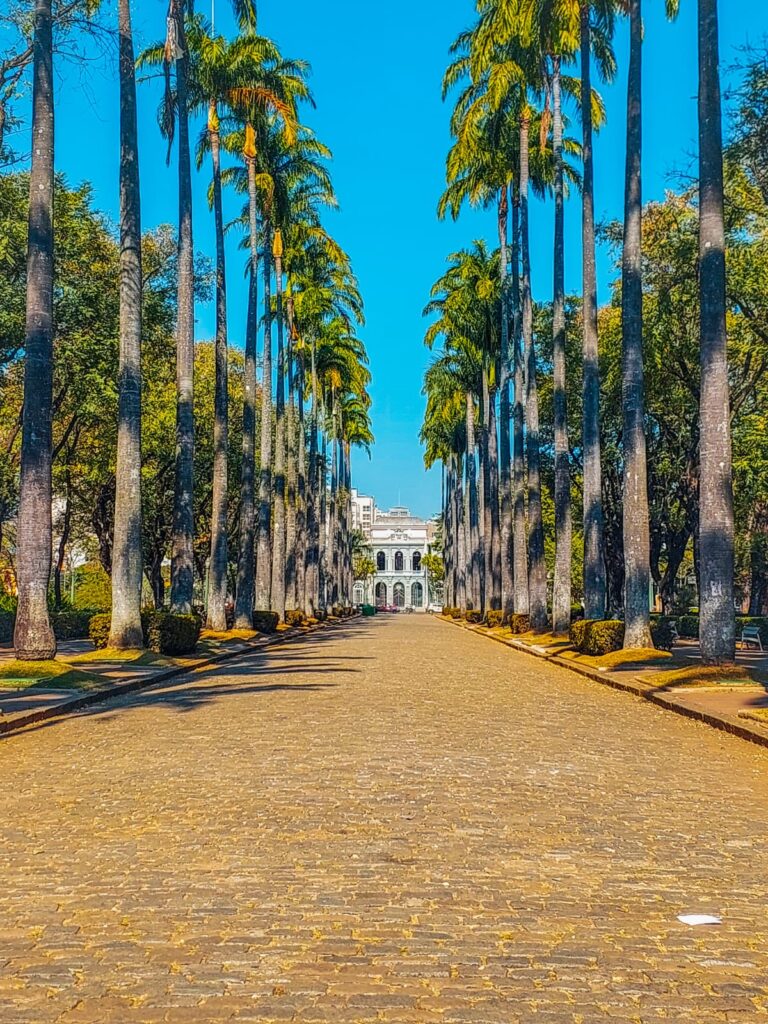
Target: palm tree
{"x": 33, "y": 636}
{"x": 126, "y": 630}
{"x": 716, "y": 522}
{"x": 594, "y": 564}
{"x": 636, "y": 527}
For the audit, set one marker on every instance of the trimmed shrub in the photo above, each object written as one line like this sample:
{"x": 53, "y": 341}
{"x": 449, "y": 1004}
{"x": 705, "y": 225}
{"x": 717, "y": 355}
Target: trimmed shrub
{"x": 474, "y": 617}
{"x": 494, "y": 617}
{"x": 98, "y": 629}
{"x": 688, "y": 626}
{"x": 597, "y": 636}
{"x": 167, "y": 633}
{"x": 321, "y": 614}
{"x": 577, "y": 612}
{"x": 663, "y": 637}
{"x": 519, "y": 623}
{"x": 93, "y": 587}
{"x": 265, "y": 622}
{"x": 294, "y": 617}
{"x": 72, "y": 623}
{"x": 7, "y": 617}
{"x": 456, "y": 613}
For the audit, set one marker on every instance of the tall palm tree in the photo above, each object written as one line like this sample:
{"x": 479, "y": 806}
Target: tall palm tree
{"x": 594, "y": 563}
{"x": 716, "y": 523}
{"x": 126, "y": 630}
{"x": 636, "y": 529}
{"x": 33, "y": 636}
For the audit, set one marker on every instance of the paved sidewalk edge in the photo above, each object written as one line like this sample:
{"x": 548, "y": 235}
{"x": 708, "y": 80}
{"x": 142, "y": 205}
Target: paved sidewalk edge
{"x": 743, "y": 732}
{"x": 133, "y": 685}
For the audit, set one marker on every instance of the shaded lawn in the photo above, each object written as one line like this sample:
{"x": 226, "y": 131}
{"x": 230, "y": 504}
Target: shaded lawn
{"x": 710, "y": 675}
{"x": 48, "y": 675}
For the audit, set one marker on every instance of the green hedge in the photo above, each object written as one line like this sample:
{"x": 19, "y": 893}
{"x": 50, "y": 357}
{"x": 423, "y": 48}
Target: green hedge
{"x": 474, "y": 617}
{"x": 7, "y": 621}
{"x": 164, "y": 632}
{"x": 72, "y": 623}
{"x": 294, "y": 617}
{"x": 494, "y": 618}
{"x": 688, "y": 626}
{"x": 519, "y": 623}
{"x": 597, "y": 636}
{"x": 266, "y": 622}
{"x": 167, "y": 633}
{"x": 661, "y": 631}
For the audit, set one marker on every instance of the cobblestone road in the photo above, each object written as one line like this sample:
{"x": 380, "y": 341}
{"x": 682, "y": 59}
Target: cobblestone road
{"x": 393, "y": 821}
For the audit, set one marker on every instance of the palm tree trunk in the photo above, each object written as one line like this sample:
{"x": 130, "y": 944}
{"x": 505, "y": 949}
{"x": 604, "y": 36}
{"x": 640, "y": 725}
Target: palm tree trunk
{"x": 561, "y": 594}
{"x": 245, "y": 565}
{"x": 594, "y": 563}
{"x": 278, "y": 522}
{"x": 33, "y": 636}
{"x": 461, "y": 537}
{"x": 716, "y": 523}
{"x": 217, "y": 571}
{"x": 637, "y": 632}
{"x": 537, "y": 569}
{"x": 291, "y": 499}
{"x": 494, "y": 584}
{"x": 519, "y": 540}
{"x": 322, "y": 498}
{"x": 505, "y": 482}
{"x": 313, "y": 521}
{"x": 182, "y": 555}
{"x": 264, "y": 534}
{"x": 127, "y": 562}
{"x": 474, "y": 554}
{"x": 301, "y": 494}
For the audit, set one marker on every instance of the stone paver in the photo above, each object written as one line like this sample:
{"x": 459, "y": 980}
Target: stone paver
{"x": 393, "y": 821}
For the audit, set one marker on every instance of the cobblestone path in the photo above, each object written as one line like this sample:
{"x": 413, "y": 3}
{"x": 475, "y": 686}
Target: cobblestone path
{"x": 393, "y": 821}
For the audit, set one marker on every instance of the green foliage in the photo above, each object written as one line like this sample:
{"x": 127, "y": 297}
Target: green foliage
{"x": 597, "y": 636}
{"x": 98, "y": 629}
{"x": 294, "y": 617}
{"x": 663, "y": 636}
{"x": 93, "y": 588}
{"x": 265, "y": 622}
{"x": 473, "y": 616}
{"x": 493, "y": 618}
{"x": 72, "y": 623}
{"x": 164, "y": 632}
{"x": 168, "y": 633}
{"x": 519, "y": 623}
{"x": 688, "y": 626}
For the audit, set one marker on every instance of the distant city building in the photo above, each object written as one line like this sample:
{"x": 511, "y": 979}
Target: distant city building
{"x": 398, "y": 543}
{"x": 363, "y": 509}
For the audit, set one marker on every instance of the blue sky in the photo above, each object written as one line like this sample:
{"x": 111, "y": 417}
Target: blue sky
{"x": 376, "y": 78}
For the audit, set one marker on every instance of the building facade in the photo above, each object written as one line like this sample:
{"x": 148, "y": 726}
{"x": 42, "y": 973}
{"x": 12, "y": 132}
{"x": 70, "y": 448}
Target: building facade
{"x": 363, "y": 512}
{"x": 398, "y": 543}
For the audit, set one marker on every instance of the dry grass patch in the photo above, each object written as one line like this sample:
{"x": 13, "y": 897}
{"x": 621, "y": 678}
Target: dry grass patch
{"x": 230, "y": 634}
{"x": 756, "y": 715}
{"x": 136, "y": 656}
{"x": 709, "y": 675}
{"x": 47, "y": 675}
{"x": 548, "y": 640}
{"x": 632, "y": 657}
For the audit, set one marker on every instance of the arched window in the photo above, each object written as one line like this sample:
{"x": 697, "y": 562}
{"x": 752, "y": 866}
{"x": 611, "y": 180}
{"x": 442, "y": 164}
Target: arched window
{"x": 381, "y": 562}
{"x": 399, "y": 595}
{"x": 417, "y": 595}
{"x": 417, "y": 561}
{"x": 358, "y": 593}
{"x": 381, "y": 595}
{"x": 399, "y": 561}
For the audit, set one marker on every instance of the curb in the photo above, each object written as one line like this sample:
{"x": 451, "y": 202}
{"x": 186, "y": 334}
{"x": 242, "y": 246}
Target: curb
{"x": 133, "y": 685}
{"x": 743, "y": 732}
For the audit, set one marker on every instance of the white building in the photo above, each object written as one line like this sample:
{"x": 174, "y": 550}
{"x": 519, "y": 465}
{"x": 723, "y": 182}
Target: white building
{"x": 363, "y": 512}
{"x": 398, "y": 542}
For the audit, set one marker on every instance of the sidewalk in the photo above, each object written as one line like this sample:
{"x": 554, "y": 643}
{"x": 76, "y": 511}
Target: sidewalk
{"x": 729, "y": 707}
{"x": 20, "y": 708}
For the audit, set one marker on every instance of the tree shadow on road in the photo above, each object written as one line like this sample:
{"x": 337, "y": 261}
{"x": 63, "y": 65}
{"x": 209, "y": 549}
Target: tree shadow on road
{"x": 258, "y": 668}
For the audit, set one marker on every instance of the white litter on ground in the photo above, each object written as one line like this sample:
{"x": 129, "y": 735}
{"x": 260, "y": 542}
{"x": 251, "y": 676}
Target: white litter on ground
{"x": 697, "y": 919}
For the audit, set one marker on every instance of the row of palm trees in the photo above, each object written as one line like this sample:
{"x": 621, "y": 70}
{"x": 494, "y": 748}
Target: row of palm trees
{"x": 511, "y": 139}
{"x": 294, "y": 547}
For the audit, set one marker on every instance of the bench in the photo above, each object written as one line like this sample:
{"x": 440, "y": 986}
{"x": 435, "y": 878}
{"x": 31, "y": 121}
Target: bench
{"x": 751, "y": 635}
